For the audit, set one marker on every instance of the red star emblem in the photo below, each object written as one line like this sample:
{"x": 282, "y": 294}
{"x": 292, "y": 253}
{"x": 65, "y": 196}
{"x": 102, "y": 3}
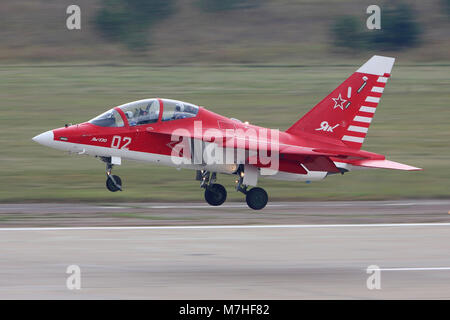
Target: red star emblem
{"x": 339, "y": 102}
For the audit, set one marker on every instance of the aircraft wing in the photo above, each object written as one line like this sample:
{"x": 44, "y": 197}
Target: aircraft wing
{"x": 384, "y": 164}
{"x": 314, "y": 159}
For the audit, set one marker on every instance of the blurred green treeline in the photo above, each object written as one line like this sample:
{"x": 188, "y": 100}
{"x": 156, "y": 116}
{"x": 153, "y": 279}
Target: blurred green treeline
{"x": 399, "y": 30}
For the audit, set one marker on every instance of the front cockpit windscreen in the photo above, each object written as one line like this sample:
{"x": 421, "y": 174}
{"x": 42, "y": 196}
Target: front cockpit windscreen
{"x": 141, "y": 112}
{"x": 110, "y": 118}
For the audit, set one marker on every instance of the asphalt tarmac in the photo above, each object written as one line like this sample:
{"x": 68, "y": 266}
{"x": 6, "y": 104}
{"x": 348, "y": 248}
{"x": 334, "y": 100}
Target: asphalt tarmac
{"x": 144, "y": 214}
{"x": 311, "y": 250}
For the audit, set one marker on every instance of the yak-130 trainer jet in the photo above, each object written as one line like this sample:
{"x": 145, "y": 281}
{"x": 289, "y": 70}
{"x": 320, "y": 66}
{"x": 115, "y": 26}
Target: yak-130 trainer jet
{"x": 325, "y": 141}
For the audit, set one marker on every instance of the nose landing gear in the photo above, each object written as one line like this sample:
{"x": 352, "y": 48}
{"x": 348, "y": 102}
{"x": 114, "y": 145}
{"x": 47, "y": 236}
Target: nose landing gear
{"x": 113, "y": 182}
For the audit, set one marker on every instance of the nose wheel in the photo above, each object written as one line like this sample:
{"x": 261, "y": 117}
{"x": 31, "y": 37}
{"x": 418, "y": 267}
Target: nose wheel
{"x": 113, "y": 182}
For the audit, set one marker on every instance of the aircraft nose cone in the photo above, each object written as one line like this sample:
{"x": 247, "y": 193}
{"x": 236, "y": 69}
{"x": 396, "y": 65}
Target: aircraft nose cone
{"x": 45, "y": 138}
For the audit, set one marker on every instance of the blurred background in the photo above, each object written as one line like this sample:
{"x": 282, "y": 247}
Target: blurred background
{"x": 263, "y": 61}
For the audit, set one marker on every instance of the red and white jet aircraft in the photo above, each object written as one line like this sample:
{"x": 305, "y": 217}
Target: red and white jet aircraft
{"x": 326, "y": 140}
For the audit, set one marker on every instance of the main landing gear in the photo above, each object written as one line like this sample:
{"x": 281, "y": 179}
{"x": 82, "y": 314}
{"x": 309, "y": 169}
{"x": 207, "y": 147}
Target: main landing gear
{"x": 216, "y": 194}
{"x": 256, "y": 198}
{"x": 113, "y": 182}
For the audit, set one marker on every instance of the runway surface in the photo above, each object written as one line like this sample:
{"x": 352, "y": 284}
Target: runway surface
{"x": 290, "y": 251}
{"x": 143, "y": 214}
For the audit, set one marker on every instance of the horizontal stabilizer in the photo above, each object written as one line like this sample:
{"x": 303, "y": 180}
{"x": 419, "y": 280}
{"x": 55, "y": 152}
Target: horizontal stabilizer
{"x": 384, "y": 164}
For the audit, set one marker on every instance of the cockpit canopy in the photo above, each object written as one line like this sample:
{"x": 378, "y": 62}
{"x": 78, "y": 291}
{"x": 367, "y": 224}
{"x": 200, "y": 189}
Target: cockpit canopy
{"x": 141, "y": 112}
{"x": 146, "y": 111}
{"x": 174, "y": 110}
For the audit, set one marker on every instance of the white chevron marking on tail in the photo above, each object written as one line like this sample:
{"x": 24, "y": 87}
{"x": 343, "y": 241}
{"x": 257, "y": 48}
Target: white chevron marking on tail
{"x": 358, "y": 129}
{"x": 363, "y": 119}
{"x": 372, "y": 99}
{"x": 353, "y": 139}
{"x": 367, "y": 109}
{"x": 378, "y": 89}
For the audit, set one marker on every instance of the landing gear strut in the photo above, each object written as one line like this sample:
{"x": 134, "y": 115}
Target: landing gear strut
{"x": 215, "y": 194}
{"x": 113, "y": 182}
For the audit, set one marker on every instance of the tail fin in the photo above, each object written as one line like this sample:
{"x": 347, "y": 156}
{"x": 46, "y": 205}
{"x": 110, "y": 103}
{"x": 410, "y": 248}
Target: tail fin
{"x": 346, "y": 113}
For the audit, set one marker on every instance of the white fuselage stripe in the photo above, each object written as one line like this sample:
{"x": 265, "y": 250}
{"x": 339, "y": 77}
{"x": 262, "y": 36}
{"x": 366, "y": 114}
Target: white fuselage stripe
{"x": 168, "y": 161}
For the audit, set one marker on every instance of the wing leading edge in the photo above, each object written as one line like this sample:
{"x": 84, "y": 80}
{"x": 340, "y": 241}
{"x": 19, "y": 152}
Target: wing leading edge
{"x": 384, "y": 164}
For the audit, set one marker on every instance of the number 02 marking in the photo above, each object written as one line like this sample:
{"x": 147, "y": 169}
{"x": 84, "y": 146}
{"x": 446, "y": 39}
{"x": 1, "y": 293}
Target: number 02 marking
{"x": 127, "y": 141}
{"x": 117, "y": 140}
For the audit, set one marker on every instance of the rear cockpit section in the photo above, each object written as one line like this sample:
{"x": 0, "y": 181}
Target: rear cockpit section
{"x": 174, "y": 110}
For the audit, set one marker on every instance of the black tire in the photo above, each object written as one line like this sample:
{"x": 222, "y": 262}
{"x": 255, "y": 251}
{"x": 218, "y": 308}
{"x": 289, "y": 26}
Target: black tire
{"x": 110, "y": 184}
{"x": 215, "y": 194}
{"x": 256, "y": 198}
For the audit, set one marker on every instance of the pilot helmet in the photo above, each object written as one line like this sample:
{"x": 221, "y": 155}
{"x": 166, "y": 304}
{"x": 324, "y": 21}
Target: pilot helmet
{"x": 129, "y": 114}
{"x": 179, "y": 107}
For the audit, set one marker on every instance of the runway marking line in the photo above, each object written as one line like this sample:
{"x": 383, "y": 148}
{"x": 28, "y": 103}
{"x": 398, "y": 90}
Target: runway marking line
{"x": 274, "y": 226}
{"x": 416, "y": 269}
